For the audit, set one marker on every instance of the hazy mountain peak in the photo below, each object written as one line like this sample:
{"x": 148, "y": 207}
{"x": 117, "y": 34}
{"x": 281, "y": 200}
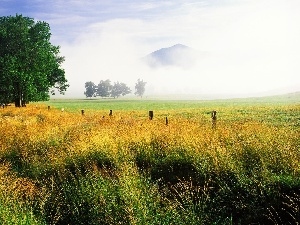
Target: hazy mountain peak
{"x": 176, "y": 55}
{"x": 179, "y": 46}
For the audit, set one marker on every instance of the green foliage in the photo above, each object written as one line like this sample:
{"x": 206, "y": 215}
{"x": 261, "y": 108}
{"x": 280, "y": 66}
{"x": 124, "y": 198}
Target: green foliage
{"x": 29, "y": 63}
{"x": 90, "y": 89}
{"x": 140, "y": 88}
{"x": 119, "y": 89}
{"x": 104, "y": 88}
{"x": 12, "y": 212}
{"x": 84, "y": 200}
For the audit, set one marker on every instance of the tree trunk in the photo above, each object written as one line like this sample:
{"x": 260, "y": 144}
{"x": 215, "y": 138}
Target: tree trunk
{"x": 18, "y": 102}
{"x": 18, "y": 94}
{"x": 23, "y": 103}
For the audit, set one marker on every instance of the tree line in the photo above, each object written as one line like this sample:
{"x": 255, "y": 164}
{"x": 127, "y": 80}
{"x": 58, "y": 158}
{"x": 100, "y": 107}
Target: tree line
{"x": 30, "y": 66}
{"x": 105, "y": 89}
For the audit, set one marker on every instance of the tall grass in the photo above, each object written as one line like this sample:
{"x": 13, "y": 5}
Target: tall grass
{"x": 64, "y": 168}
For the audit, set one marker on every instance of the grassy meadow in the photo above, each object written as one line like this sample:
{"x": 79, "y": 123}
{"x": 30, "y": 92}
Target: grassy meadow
{"x": 61, "y": 167}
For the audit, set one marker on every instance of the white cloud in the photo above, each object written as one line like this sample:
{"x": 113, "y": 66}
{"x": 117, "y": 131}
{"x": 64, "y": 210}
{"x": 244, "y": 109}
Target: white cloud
{"x": 251, "y": 47}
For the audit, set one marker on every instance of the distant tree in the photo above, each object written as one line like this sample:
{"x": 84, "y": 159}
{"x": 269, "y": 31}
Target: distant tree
{"x": 140, "y": 88}
{"x": 104, "y": 88}
{"x": 125, "y": 89}
{"x": 119, "y": 89}
{"x": 90, "y": 89}
{"x": 30, "y": 66}
{"x": 116, "y": 90}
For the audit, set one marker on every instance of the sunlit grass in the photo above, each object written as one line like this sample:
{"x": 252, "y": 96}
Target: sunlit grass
{"x": 61, "y": 167}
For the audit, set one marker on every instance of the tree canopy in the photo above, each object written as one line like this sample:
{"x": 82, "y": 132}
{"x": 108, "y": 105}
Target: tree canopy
{"x": 30, "y": 66}
{"x": 140, "y": 88}
{"x": 119, "y": 89}
{"x": 106, "y": 89}
{"x": 90, "y": 89}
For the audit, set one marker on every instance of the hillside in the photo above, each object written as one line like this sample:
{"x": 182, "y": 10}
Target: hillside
{"x": 176, "y": 55}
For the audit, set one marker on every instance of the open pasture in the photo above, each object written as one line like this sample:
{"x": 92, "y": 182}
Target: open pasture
{"x": 61, "y": 167}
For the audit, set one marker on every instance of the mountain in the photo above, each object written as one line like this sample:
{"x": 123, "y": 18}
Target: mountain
{"x": 176, "y": 55}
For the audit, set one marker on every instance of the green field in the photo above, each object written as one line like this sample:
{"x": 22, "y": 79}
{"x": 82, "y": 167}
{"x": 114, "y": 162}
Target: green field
{"x": 156, "y": 104}
{"x": 268, "y": 109}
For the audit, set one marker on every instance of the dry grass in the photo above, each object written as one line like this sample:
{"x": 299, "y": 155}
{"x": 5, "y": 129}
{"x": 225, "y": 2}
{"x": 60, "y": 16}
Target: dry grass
{"x": 254, "y": 148}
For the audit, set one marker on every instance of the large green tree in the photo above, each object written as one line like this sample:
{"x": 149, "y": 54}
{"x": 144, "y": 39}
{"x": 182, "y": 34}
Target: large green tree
{"x": 30, "y": 66}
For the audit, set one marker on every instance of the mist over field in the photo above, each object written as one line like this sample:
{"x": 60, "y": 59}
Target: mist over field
{"x": 240, "y": 48}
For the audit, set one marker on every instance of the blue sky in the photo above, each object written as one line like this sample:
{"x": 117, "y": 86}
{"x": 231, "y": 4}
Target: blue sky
{"x": 246, "y": 47}
{"x": 66, "y": 17}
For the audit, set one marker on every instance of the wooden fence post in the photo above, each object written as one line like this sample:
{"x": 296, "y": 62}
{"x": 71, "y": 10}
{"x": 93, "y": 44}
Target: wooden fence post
{"x": 150, "y": 115}
{"x": 48, "y": 107}
{"x": 167, "y": 121}
{"x": 214, "y": 119}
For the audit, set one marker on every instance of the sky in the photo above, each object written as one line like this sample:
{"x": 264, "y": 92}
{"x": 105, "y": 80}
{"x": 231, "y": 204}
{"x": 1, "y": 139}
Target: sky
{"x": 244, "y": 47}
